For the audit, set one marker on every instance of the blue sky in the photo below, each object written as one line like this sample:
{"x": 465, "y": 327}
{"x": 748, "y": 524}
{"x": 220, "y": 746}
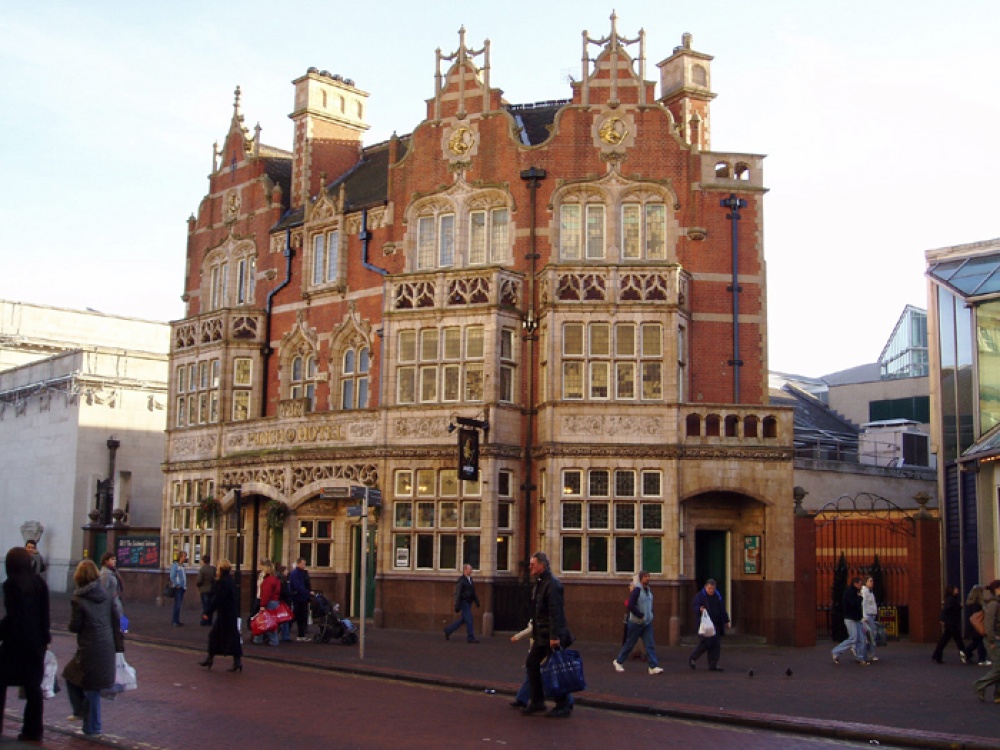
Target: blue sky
{"x": 879, "y": 122}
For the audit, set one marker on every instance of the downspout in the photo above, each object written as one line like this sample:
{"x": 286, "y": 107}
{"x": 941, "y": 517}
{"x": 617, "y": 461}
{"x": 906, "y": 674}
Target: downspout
{"x": 533, "y": 176}
{"x": 734, "y": 205}
{"x": 366, "y": 236}
{"x": 265, "y": 348}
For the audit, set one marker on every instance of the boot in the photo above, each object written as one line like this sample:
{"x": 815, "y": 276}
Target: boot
{"x": 237, "y": 665}
{"x": 207, "y": 663}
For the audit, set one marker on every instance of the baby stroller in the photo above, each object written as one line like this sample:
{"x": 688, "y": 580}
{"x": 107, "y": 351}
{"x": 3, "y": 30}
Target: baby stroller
{"x": 332, "y": 626}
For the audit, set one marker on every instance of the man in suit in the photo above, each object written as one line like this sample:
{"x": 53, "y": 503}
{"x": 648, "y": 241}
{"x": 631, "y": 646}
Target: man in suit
{"x": 465, "y": 596}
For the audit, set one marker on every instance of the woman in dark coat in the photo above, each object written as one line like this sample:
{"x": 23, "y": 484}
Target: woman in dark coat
{"x": 92, "y": 668}
{"x": 951, "y": 619}
{"x": 224, "y": 637}
{"x": 25, "y": 634}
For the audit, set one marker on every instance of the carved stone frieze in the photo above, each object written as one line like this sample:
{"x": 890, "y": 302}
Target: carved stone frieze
{"x": 270, "y": 476}
{"x": 604, "y": 425}
{"x": 419, "y": 426}
{"x": 473, "y": 290}
{"x": 413, "y": 295}
{"x": 356, "y": 473}
{"x": 191, "y": 447}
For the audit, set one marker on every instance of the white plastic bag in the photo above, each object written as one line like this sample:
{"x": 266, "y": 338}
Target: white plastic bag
{"x": 124, "y": 675}
{"x": 49, "y": 675}
{"x": 707, "y": 628}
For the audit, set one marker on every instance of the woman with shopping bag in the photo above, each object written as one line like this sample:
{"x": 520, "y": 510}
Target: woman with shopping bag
{"x": 270, "y": 598}
{"x": 712, "y": 622}
{"x": 25, "y": 633}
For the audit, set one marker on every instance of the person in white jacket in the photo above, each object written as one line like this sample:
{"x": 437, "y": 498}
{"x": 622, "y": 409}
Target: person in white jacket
{"x": 869, "y": 608}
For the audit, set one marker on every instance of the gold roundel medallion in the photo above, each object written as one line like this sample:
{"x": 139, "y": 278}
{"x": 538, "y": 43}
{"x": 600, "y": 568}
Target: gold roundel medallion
{"x": 613, "y": 131}
{"x": 460, "y": 141}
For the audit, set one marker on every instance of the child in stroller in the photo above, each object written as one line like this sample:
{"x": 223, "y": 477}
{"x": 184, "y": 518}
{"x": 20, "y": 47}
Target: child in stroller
{"x": 331, "y": 625}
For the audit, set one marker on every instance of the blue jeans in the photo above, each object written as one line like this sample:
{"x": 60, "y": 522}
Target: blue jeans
{"x": 206, "y": 602}
{"x": 464, "y": 617}
{"x": 636, "y": 631}
{"x": 86, "y": 703}
{"x": 855, "y": 639}
{"x": 178, "y": 600}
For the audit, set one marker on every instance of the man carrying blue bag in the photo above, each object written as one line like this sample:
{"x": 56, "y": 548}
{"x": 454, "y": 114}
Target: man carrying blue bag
{"x": 549, "y": 632}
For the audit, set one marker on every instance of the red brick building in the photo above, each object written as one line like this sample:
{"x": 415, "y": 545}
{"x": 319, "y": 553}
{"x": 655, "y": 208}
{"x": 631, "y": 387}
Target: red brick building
{"x": 564, "y": 280}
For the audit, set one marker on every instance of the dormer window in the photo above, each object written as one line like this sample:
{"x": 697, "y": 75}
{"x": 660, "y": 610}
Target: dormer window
{"x": 326, "y": 257}
{"x": 436, "y": 241}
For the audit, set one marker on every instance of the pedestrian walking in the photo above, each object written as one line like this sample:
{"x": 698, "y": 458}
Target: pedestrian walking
{"x": 951, "y": 623}
{"x": 709, "y": 599}
{"x": 224, "y": 637}
{"x": 112, "y": 582}
{"x": 974, "y": 604}
{"x": 26, "y": 636}
{"x": 640, "y": 625}
{"x": 92, "y": 668}
{"x": 465, "y": 597}
{"x": 298, "y": 581}
{"x": 991, "y": 624}
{"x": 37, "y": 561}
{"x": 205, "y": 583}
{"x": 869, "y": 612}
{"x": 523, "y": 696}
{"x": 270, "y": 596}
{"x": 853, "y": 615}
{"x": 178, "y": 580}
{"x": 548, "y": 631}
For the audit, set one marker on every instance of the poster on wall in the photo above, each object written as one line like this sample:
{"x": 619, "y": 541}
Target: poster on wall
{"x": 751, "y": 554}
{"x": 138, "y": 552}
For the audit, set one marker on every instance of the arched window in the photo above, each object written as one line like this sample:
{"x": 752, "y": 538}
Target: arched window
{"x": 770, "y": 427}
{"x": 712, "y": 425}
{"x": 693, "y": 423}
{"x": 303, "y": 379}
{"x": 732, "y": 423}
{"x": 750, "y": 426}
{"x": 354, "y": 379}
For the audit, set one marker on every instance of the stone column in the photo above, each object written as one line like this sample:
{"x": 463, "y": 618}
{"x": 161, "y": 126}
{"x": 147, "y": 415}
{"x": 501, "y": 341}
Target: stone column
{"x": 805, "y": 572}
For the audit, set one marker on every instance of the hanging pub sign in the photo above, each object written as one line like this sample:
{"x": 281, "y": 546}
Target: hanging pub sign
{"x": 468, "y": 455}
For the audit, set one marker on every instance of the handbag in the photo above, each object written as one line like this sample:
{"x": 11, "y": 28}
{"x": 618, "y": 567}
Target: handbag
{"x": 49, "y": 687}
{"x": 881, "y": 635}
{"x": 263, "y": 622}
{"x": 707, "y": 628}
{"x": 168, "y": 591}
{"x": 978, "y": 622}
{"x": 562, "y": 673}
{"x": 283, "y": 613}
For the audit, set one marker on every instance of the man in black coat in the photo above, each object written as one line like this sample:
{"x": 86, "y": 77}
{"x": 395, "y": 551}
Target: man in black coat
{"x": 548, "y": 631}
{"x": 465, "y": 597}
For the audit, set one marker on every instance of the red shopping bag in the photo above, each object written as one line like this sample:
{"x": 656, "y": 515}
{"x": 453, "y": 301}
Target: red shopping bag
{"x": 284, "y": 613}
{"x": 264, "y": 622}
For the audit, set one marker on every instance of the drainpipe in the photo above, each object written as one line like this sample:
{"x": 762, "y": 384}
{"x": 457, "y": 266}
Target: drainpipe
{"x": 533, "y": 177}
{"x": 734, "y": 205}
{"x": 265, "y": 348}
{"x": 366, "y": 236}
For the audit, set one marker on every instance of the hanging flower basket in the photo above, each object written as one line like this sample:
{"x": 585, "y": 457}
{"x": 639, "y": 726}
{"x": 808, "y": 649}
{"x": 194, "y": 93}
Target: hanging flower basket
{"x": 208, "y": 509}
{"x": 277, "y": 512}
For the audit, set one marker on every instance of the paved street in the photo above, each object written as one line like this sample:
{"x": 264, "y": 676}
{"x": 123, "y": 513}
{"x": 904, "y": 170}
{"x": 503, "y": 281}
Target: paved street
{"x": 417, "y": 690}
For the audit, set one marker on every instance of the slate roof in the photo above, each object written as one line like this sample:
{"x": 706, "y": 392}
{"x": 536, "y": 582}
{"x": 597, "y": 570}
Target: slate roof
{"x": 536, "y": 119}
{"x": 814, "y": 422}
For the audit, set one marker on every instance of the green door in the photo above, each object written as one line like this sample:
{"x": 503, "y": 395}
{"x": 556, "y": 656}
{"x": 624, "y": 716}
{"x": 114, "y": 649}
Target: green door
{"x": 710, "y": 559}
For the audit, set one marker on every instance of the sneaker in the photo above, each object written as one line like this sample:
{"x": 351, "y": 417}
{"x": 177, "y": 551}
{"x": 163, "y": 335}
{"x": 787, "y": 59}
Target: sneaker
{"x": 654, "y": 670}
{"x": 618, "y": 667}
{"x": 692, "y": 664}
{"x": 874, "y": 658}
{"x": 836, "y": 659}
{"x": 962, "y": 656}
{"x": 74, "y": 717}
{"x": 986, "y": 663}
{"x": 303, "y": 638}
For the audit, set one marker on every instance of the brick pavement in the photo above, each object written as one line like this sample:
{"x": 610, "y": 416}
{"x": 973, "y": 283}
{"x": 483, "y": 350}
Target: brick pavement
{"x": 905, "y": 699}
